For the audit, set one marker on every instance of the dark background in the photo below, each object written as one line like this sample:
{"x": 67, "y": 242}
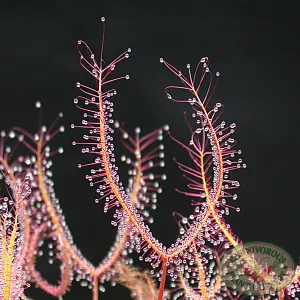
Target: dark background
{"x": 254, "y": 45}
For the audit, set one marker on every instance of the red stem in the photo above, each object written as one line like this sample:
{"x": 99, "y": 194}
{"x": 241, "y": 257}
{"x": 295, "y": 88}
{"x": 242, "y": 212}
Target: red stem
{"x": 163, "y": 280}
{"x": 95, "y": 288}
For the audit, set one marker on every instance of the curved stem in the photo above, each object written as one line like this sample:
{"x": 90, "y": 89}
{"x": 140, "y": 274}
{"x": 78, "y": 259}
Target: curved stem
{"x": 170, "y": 252}
{"x": 96, "y": 272}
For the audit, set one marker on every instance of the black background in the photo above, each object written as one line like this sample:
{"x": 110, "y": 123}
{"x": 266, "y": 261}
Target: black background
{"x": 253, "y": 44}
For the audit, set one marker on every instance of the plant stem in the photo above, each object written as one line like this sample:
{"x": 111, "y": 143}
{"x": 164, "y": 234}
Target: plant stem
{"x": 163, "y": 279}
{"x": 95, "y": 288}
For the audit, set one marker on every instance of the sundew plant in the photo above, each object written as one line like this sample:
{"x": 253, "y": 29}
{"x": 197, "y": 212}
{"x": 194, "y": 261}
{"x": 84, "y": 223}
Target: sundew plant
{"x": 195, "y": 266}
